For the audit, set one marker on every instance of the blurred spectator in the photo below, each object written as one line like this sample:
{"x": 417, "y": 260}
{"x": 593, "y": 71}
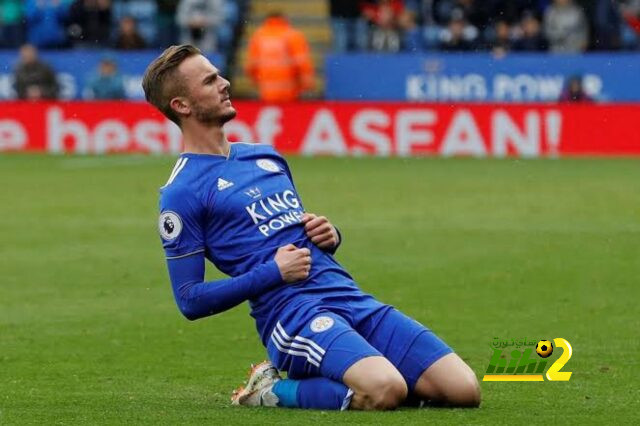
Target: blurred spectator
{"x": 510, "y": 10}
{"x": 483, "y": 16}
{"x": 90, "y": 22}
{"x": 144, "y": 12}
{"x": 442, "y": 9}
{"x": 107, "y": 82}
{"x": 607, "y": 25}
{"x": 279, "y": 62}
{"x": 476, "y": 13}
{"x": 566, "y": 28}
{"x": 11, "y": 28}
{"x": 198, "y": 21}
{"x": 34, "y": 80}
{"x": 573, "y": 91}
{"x": 166, "y": 23}
{"x": 630, "y": 10}
{"x": 411, "y": 32}
{"x": 459, "y": 36}
{"x": 531, "y": 38}
{"x": 348, "y": 26}
{"x": 227, "y": 29}
{"x": 128, "y": 37}
{"x": 431, "y": 27}
{"x": 384, "y": 16}
{"x": 46, "y": 21}
{"x": 502, "y": 40}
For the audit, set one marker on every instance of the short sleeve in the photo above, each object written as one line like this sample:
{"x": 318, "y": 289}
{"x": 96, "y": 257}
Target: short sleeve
{"x": 180, "y": 223}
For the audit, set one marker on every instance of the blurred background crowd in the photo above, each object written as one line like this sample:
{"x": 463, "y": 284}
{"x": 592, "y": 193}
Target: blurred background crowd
{"x": 469, "y": 25}
{"x": 384, "y": 25}
{"x": 121, "y": 24}
{"x": 237, "y": 30}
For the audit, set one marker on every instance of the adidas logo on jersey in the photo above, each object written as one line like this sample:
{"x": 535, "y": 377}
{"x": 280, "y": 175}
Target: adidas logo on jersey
{"x": 223, "y": 184}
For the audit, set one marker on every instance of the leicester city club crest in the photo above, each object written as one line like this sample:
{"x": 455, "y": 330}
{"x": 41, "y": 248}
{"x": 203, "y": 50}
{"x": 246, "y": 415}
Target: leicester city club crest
{"x": 321, "y": 324}
{"x": 268, "y": 165}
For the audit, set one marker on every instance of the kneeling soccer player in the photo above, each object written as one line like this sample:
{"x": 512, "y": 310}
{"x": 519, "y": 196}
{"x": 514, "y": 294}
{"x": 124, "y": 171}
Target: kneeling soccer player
{"x": 235, "y": 204}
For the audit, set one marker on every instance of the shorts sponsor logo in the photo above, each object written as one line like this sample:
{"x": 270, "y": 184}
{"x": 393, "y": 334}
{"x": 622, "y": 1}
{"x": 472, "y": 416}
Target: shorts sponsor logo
{"x": 169, "y": 225}
{"x": 321, "y": 324}
{"x": 268, "y": 165}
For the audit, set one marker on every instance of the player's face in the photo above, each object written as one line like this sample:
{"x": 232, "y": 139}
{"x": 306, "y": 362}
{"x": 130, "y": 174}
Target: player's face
{"x": 208, "y": 96}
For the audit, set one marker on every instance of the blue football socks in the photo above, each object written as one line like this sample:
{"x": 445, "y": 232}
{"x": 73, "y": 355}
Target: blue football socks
{"x": 317, "y": 393}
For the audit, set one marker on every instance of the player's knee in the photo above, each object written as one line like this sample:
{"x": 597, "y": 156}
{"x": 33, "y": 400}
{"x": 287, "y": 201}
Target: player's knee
{"x": 393, "y": 394}
{"x": 473, "y": 394}
{"x": 388, "y": 393}
{"x": 466, "y": 393}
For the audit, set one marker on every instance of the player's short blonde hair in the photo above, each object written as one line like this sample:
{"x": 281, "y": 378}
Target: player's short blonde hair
{"x": 160, "y": 82}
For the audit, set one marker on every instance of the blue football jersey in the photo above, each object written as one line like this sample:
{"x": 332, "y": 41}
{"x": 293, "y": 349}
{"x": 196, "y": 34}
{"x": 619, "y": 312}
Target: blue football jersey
{"x": 237, "y": 211}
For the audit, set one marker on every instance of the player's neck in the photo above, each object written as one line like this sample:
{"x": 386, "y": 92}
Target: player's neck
{"x": 205, "y": 140}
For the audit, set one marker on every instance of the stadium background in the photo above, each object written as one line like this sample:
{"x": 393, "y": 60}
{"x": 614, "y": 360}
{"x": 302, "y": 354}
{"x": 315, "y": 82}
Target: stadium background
{"x": 532, "y": 245}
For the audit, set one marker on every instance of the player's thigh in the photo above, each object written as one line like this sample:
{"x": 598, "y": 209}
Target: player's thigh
{"x": 450, "y": 381}
{"x": 411, "y": 347}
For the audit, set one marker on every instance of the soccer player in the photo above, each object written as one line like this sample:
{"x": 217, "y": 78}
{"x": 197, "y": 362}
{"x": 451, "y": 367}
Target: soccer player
{"x": 236, "y": 205}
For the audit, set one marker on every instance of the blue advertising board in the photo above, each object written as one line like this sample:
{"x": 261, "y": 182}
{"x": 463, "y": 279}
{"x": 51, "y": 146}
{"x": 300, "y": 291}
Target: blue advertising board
{"x": 480, "y": 77}
{"x": 74, "y": 68}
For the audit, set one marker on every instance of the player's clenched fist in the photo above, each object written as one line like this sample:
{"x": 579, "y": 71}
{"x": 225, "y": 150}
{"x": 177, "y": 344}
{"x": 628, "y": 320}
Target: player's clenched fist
{"x": 294, "y": 263}
{"x": 320, "y": 231}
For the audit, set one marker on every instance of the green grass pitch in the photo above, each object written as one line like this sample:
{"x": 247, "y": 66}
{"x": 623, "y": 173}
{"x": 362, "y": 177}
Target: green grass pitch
{"x": 475, "y": 249}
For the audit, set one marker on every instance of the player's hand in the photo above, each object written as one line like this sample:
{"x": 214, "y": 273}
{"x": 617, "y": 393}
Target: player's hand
{"x": 321, "y": 232}
{"x": 294, "y": 263}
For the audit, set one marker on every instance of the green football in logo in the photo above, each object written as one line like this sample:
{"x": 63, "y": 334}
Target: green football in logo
{"x": 544, "y": 348}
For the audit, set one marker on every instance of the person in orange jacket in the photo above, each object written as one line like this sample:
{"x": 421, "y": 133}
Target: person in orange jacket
{"x": 279, "y": 62}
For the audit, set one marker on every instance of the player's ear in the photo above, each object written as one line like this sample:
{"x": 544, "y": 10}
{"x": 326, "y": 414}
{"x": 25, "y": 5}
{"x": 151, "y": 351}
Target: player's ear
{"x": 180, "y": 105}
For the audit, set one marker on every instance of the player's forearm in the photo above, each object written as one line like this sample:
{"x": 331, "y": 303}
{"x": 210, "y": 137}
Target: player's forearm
{"x": 210, "y": 298}
{"x": 197, "y": 299}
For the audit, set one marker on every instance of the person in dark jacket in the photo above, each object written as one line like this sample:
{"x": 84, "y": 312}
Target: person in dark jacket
{"x": 348, "y": 26}
{"x": 166, "y": 23}
{"x": 574, "y": 91}
{"x": 459, "y": 36}
{"x": 90, "y": 22}
{"x": 34, "y": 79}
{"x": 532, "y": 39}
{"x": 128, "y": 37}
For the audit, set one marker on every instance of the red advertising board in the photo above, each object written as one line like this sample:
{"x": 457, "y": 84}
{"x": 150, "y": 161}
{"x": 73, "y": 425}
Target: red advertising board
{"x": 332, "y": 128}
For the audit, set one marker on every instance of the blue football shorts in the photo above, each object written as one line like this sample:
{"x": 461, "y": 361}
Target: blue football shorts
{"x": 326, "y": 337}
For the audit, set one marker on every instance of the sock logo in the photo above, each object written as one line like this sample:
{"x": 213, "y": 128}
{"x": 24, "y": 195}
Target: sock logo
{"x": 321, "y": 324}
